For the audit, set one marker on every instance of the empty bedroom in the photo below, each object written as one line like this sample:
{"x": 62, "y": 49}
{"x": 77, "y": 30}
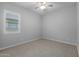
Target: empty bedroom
{"x": 39, "y": 29}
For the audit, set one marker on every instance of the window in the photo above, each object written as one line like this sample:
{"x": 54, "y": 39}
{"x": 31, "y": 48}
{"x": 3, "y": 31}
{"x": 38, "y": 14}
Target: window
{"x": 11, "y": 22}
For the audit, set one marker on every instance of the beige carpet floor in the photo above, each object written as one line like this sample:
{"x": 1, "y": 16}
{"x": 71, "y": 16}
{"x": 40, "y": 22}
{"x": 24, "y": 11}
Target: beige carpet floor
{"x": 41, "y": 48}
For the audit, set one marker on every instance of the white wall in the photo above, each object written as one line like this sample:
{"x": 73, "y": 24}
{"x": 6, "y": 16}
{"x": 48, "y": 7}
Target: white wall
{"x": 0, "y": 25}
{"x": 60, "y": 25}
{"x": 78, "y": 26}
{"x": 30, "y": 26}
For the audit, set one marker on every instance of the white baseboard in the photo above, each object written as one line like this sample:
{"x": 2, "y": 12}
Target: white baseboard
{"x": 18, "y": 44}
{"x": 74, "y": 44}
{"x": 37, "y": 39}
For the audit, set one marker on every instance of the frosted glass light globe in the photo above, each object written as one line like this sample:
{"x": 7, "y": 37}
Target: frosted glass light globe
{"x": 42, "y": 7}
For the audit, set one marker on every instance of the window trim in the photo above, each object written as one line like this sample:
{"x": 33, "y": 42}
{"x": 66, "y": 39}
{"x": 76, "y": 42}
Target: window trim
{"x": 19, "y": 21}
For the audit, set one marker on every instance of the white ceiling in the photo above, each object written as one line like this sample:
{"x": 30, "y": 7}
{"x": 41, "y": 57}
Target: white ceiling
{"x": 56, "y": 5}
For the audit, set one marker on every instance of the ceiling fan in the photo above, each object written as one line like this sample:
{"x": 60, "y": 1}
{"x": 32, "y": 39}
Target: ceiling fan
{"x": 43, "y": 5}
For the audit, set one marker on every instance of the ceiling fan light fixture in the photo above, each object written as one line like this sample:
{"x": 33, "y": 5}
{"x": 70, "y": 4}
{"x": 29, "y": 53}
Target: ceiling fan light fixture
{"x": 42, "y": 7}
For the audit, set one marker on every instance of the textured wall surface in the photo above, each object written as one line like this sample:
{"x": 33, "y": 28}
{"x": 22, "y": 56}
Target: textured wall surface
{"x": 61, "y": 24}
{"x": 30, "y": 26}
